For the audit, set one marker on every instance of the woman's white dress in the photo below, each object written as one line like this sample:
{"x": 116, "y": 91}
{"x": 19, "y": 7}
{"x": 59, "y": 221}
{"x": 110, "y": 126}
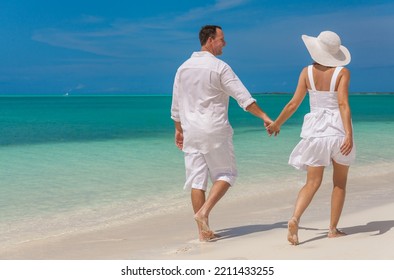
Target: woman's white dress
{"x": 322, "y": 131}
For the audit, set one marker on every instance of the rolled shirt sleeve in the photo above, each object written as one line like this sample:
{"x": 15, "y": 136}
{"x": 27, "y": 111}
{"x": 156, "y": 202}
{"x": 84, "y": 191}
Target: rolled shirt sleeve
{"x": 235, "y": 88}
{"x": 175, "y": 100}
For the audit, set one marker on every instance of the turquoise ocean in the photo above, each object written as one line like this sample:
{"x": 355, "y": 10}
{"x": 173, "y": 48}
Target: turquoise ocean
{"x": 75, "y": 163}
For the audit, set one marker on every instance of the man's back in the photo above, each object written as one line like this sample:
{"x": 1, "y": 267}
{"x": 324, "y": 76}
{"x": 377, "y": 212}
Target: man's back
{"x": 203, "y": 104}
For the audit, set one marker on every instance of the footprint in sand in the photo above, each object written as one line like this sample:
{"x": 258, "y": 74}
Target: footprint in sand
{"x": 182, "y": 250}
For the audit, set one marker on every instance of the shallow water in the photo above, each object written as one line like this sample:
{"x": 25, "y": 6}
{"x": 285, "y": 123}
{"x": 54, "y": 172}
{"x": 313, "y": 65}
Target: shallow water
{"x": 75, "y": 163}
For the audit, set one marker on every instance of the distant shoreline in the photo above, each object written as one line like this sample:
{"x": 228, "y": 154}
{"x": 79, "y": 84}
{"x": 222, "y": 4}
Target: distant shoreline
{"x": 159, "y": 94}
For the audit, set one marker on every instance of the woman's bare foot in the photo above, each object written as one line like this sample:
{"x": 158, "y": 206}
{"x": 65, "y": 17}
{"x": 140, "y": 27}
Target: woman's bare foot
{"x": 292, "y": 235}
{"x": 332, "y": 233}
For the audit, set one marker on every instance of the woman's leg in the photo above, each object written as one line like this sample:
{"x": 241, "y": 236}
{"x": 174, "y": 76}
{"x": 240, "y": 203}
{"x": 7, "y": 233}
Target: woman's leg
{"x": 337, "y": 197}
{"x": 313, "y": 182}
{"x": 305, "y": 196}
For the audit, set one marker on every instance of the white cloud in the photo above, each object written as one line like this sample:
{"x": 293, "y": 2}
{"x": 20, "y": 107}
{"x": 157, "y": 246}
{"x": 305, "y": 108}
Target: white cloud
{"x": 164, "y": 36}
{"x": 228, "y": 4}
{"x": 127, "y": 38}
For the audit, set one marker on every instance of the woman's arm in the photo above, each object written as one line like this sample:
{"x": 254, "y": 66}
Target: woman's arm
{"x": 293, "y": 104}
{"x": 344, "y": 109}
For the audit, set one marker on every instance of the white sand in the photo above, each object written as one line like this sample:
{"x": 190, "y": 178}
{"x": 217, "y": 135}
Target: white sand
{"x": 253, "y": 228}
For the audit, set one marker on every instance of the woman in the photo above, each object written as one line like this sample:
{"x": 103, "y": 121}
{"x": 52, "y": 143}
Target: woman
{"x": 327, "y": 134}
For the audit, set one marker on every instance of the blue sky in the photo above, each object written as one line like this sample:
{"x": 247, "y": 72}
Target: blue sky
{"x": 134, "y": 47}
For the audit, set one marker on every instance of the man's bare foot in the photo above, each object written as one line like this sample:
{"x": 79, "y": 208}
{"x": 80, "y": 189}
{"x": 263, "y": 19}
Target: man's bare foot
{"x": 332, "y": 233}
{"x": 292, "y": 235}
{"x": 206, "y": 232}
{"x": 207, "y": 238}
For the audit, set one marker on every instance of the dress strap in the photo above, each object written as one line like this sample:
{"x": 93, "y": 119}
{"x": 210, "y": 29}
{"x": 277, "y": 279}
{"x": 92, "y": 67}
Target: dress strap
{"x": 310, "y": 76}
{"x": 334, "y": 78}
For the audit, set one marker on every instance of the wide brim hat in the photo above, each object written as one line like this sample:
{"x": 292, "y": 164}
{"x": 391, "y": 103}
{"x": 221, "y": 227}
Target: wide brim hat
{"x": 326, "y": 49}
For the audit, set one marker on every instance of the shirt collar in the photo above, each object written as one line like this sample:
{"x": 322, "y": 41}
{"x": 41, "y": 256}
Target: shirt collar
{"x": 202, "y": 54}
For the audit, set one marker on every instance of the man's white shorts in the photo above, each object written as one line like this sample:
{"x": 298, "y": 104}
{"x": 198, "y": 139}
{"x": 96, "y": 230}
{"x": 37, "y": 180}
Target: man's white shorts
{"x": 218, "y": 164}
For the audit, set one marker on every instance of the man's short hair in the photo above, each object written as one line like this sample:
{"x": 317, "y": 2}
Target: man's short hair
{"x": 207, "y": 31}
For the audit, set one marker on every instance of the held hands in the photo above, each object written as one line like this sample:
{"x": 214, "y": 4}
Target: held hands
{"x": 273, "y": 128}
{"x": 267, "y": 123}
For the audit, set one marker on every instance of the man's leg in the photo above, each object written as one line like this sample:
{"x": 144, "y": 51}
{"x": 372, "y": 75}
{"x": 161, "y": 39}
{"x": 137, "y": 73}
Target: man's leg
{"x": 197, "y": 180}
{"x": 222, "y": 171}
{"x": 198, "y": 200}
{"x": 218, "y": 190}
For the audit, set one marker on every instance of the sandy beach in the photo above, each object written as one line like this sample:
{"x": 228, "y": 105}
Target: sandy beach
{"x": 250, "y": 229}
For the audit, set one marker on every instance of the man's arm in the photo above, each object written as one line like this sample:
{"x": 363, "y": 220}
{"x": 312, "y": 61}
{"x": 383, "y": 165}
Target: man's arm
{"x": 236, "y": 89}
{"x": 175, "y": 114}
{"x": 255, "y": 110}
{"x": 178, "y": 135}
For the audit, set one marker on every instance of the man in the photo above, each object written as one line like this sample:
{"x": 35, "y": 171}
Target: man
{"x": 202, "y": 87}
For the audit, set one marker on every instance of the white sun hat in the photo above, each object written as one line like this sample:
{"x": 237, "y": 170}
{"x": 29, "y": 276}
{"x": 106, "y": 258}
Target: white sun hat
{"x": 326, "y": 49}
